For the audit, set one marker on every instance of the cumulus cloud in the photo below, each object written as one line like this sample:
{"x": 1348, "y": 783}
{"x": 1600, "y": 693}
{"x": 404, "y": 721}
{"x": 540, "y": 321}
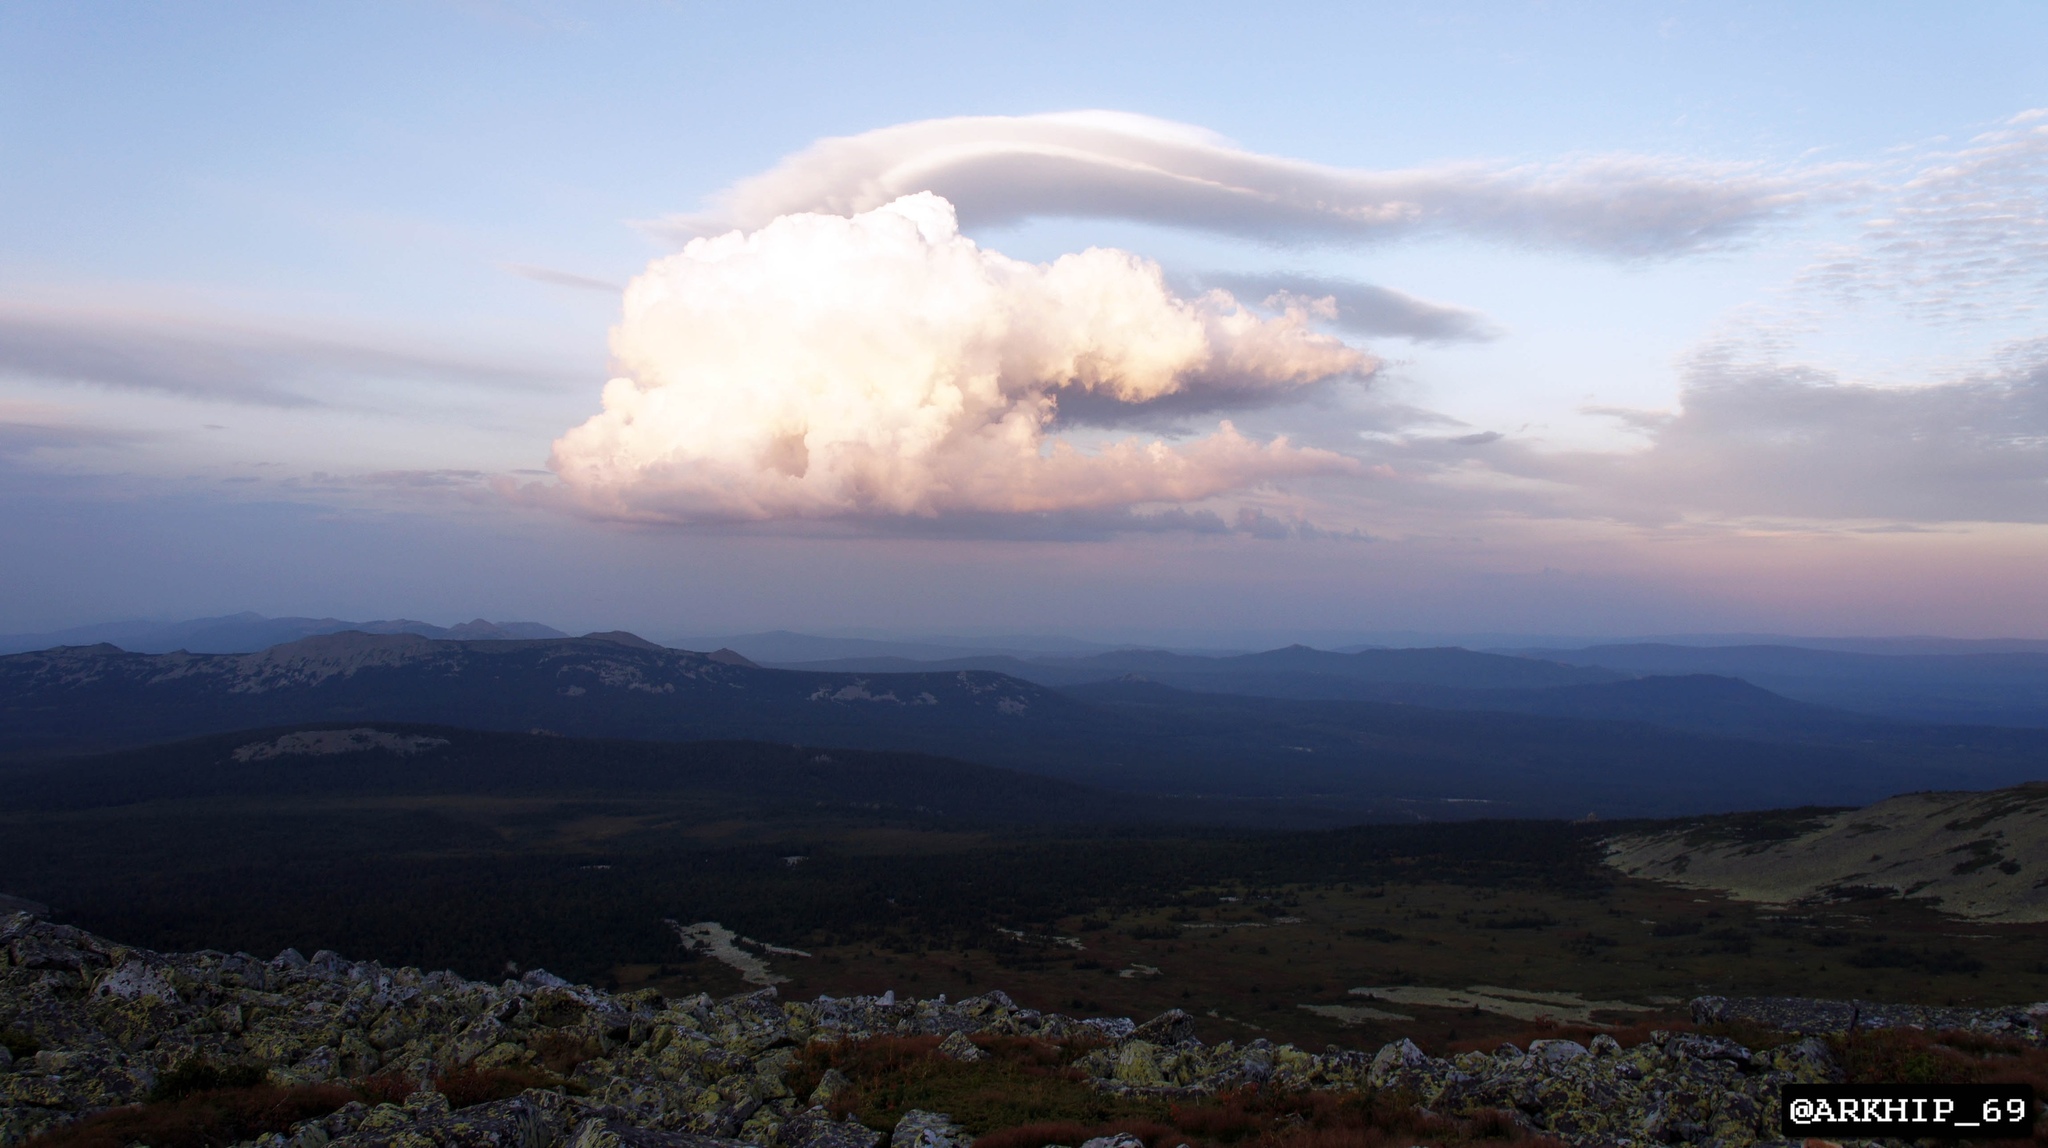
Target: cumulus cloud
{"x": 1002, "y": 169}
{"x": 882, "y": 364}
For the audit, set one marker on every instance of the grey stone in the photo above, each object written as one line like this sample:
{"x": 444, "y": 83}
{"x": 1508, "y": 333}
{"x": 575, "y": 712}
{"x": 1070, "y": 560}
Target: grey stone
{"x": 815, "y": 1128}
{"x": 1169, "y": 1028}
{"x": 956, "y": 1046}
{"x": 1555, "y": 1052}
{"x": 921, "y": 1129}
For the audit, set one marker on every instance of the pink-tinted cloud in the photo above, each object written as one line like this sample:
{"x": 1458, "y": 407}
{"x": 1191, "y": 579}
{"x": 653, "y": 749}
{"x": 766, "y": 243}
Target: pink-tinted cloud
{"x": 884, "y": 365}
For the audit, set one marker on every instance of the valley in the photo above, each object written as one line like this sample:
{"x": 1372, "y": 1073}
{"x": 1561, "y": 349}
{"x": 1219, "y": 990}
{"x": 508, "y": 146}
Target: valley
{"x": 893, "y": 872}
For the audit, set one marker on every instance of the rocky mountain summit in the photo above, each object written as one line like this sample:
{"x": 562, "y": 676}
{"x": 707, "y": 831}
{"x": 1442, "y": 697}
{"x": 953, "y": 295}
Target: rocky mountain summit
{"x": 91, "y": 1024}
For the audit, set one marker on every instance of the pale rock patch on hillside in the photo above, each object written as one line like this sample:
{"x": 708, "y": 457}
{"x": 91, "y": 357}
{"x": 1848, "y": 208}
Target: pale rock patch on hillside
{"x": 1982, "y": 856}
{"x": 322, "y": 742}
{"x": 723, "y": 945}
{"x": 1521, "y": 1004}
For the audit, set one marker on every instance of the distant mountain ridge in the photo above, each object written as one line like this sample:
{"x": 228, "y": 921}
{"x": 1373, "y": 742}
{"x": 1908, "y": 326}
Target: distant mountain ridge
{"x": 248, "y": 632}
{"x": 1312, "y": 672}
{"x": 1996, "y": 687}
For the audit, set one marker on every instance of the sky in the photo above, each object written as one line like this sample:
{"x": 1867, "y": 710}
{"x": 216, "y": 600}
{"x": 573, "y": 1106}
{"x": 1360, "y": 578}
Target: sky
{"x": 1118, "y": 321}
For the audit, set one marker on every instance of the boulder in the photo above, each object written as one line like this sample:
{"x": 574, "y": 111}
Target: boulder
{"x": 815, "y": 1128}
{"x": 920, "y": 1129}
{"x": 956, "y": 1046}
{"x": 1169, "y": 1028}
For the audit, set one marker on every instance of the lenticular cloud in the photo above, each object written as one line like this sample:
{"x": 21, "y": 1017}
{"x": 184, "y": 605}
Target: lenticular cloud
{"x": 885, "y": 365}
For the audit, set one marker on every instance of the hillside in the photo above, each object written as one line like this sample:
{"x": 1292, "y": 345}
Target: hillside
{"x": 1978, "y": 855}
{"x": 1430, "y": 762}
{"x": 692, "y": 781}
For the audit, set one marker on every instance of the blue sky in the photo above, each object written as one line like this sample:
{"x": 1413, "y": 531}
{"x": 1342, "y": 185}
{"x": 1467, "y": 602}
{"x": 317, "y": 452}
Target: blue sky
{"x": 296, "y": 303}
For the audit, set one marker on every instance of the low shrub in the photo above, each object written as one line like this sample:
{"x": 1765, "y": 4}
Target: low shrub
{"x": 204, "y": 1076}
{"x": 466, "y": 1086}
{"x": 209, "y": 1118}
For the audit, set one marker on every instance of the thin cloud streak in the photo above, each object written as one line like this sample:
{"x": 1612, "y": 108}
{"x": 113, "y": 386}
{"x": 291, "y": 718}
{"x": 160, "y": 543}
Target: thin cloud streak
{"x": 562, "y": 278}
{"x": 1365, "y": 308}
{"x": 218, "y": 361}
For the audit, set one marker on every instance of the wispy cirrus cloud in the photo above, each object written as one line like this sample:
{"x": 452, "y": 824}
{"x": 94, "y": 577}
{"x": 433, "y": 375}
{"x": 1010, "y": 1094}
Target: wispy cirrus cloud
{"x": 1962, "y": 237}
{"x": 1004, "y": 169}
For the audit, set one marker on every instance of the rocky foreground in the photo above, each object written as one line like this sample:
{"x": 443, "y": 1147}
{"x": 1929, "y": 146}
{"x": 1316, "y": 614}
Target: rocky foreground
{"x": 100, "y": 1023}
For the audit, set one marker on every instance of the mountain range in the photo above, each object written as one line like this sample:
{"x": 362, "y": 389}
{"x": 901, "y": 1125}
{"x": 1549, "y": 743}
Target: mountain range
{"x": 1543, "y": 739}
{"x": 2002, "y": 685}
{"x": 247, "y": 632}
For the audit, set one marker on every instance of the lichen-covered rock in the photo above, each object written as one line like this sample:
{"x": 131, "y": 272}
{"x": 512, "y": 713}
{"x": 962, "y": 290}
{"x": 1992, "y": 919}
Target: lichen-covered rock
{"x": 107, "y": 1020}
{"x": 815, "y": 1128}
{"x": 1820, "y": 1017}
{"x": 956, "y": 1046}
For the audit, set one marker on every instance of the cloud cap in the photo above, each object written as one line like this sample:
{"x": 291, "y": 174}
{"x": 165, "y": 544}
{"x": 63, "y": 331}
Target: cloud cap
{"x": 1100, "y": 164}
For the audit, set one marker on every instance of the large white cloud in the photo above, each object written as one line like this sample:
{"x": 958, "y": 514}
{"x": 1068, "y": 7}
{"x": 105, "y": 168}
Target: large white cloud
{"x": 1000, "y": 169}
{"x": 883, "y": 364}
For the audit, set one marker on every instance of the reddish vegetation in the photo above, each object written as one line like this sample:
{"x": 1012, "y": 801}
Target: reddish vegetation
{"x": 466, "y": 1086}
{"x": 201, "y": 1120}
{"x": 212, "y": 1117}
{"x": 1913, "y": 1056}
{"x": 1026, "y": 1094}
{"x": 561, "y": 1052}
{"x": 1284, "y": 1120}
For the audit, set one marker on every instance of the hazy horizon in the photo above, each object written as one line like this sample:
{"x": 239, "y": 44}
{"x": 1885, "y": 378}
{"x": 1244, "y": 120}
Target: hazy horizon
{"x": 1055, "y": 641}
